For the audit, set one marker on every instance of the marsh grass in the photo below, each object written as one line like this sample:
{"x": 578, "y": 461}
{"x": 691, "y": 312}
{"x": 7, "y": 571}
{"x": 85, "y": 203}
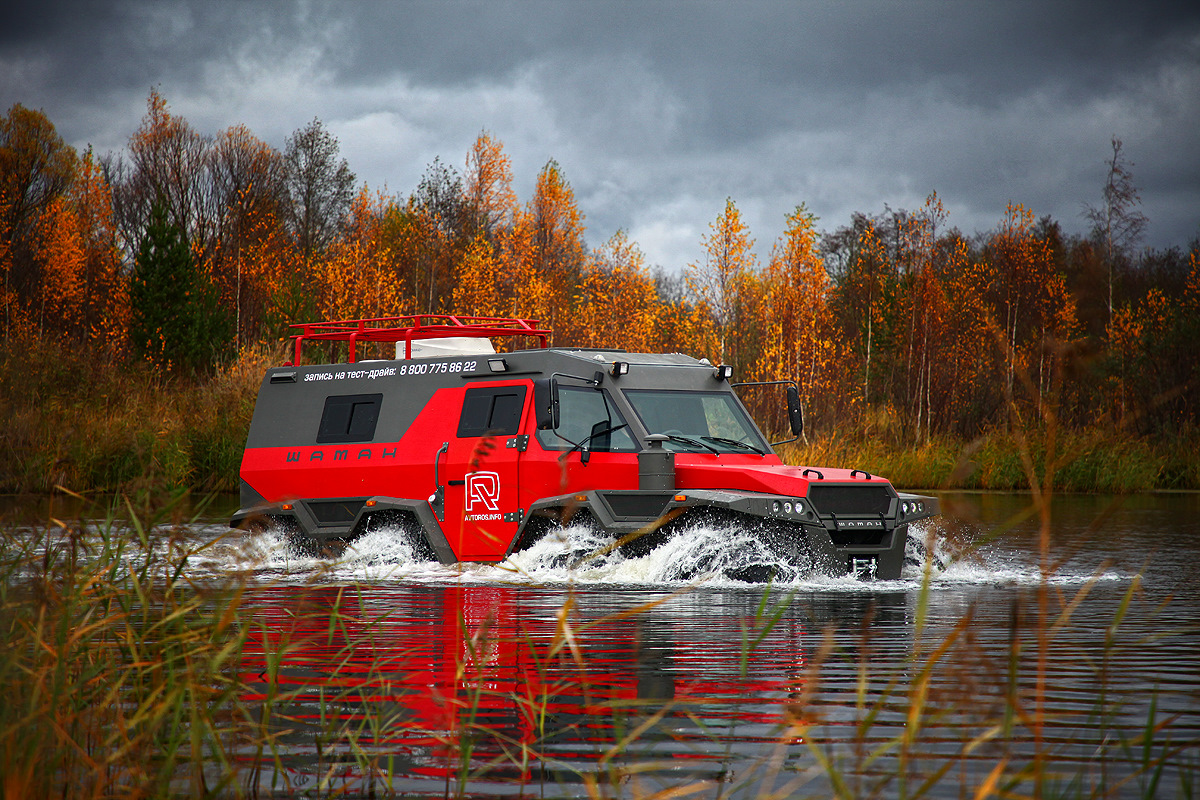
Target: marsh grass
{"x": 78, "y": 419}
{"x": 119, "y": 674}
{"x": 1098, "y": 460}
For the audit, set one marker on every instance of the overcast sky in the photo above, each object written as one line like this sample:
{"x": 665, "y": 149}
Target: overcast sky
{"x": 658, "y": 111}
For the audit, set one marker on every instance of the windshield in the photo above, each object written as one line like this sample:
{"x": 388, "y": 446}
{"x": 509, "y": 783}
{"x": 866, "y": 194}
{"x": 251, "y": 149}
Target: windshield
{"x": 711, "y": 422}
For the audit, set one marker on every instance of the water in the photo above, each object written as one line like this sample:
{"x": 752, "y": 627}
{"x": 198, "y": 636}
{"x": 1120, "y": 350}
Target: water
{"x": 562, "y": 676}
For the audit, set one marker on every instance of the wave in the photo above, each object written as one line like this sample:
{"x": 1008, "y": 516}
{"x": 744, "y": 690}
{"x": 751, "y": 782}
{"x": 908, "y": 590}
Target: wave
{"x": 702, "y": 555}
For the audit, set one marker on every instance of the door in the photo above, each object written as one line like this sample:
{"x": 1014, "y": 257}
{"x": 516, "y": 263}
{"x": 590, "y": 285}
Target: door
{"x": 482, "y": 514}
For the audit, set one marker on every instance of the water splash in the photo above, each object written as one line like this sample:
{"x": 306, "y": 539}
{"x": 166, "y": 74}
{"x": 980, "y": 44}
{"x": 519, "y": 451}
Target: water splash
{"x": 704, "y": 554}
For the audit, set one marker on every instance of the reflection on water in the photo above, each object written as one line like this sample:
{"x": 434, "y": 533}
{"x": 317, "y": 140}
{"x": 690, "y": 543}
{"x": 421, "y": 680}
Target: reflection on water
{"x": 430, "y": 685}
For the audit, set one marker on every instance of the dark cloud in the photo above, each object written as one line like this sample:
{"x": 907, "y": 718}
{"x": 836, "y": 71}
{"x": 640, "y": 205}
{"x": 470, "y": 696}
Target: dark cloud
{"x": 658, "y": 111}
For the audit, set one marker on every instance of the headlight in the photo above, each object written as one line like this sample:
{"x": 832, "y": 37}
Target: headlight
{"x": 787, "y": 507}
{"x": 799, "y": 507}
{"x": 775, "y": 507}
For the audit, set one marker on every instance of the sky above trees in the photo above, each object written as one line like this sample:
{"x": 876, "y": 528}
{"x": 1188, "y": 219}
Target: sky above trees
{"x": 658, "y": 112}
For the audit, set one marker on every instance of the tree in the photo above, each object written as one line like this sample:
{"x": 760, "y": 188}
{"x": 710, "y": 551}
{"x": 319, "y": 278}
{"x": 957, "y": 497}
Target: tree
{"x": 320, "y": 187}
{"x": 168, "y": 163}
{"x": 36, "y": 168}
{"x": 250, "y": 195}
{"x": 718, "y": 281}
{"x": 490, "y": 198}
{"x": 440, "y": 213}
{"x": 1117, "y": 225}
{"x": 547, "y": 249}
{"x": 175, "y": 321}
{"x": 82, "y": 287}
{"x": 796, "y": 323}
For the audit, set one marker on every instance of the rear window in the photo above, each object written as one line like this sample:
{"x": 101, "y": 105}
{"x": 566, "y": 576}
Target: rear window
{"x": 492, "y": 409}
{"x": 349, "y": 418}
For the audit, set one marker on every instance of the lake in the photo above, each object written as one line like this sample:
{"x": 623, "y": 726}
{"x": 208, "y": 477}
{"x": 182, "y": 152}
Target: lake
{"x": 376, "y": 674}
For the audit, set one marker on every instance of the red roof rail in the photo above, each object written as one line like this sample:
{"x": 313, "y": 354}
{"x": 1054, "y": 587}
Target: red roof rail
{"x": 413, "y": 328}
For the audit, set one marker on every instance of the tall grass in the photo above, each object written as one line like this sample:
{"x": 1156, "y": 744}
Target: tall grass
{"x": 78, "y": 419}
{"x": 119, "y": 673}
{"x": 1096, "y": 460}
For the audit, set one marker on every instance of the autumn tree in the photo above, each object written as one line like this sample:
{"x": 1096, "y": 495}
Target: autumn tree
{"x": 797, "y": 332}
{"x": 480, "y": 280}
{"x": 247, "y": 255}
{"x": 927, "y": 309}
{"x": 83, "y": 293}
{"x": 548, "y": 254}
{"x": 490, "y": 199}
{"x": 1029, "y": 298}
{"x": 618, "y": 302}
{"x": 36, "y": 168}
{"x": 864, "y": 300}
{"x": 320, "y": 187}
{"x": 360, "y": 276}
{"x": 718, "y": 280}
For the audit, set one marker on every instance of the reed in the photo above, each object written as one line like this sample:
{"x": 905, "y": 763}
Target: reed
{"x": 81, "y": 420}
{"x": 119, "y": 674}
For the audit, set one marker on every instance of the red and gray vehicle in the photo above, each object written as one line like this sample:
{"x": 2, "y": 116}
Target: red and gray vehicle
{"x": 474, "y": 454}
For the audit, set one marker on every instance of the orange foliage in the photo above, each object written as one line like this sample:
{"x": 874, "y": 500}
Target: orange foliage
{"x": 891, "y": 314}
{"x": 83, "y": 295}
{"x": 356, "y": 276}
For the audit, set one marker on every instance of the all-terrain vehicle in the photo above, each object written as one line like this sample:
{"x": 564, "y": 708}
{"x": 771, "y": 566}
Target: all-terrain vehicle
{"x": 475, "y": 454}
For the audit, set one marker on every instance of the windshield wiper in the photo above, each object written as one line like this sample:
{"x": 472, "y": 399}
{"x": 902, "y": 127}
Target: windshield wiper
{"x": 675, "y": 437}
{"x": 733, "y": 443}
{"x": 587, "y": 439}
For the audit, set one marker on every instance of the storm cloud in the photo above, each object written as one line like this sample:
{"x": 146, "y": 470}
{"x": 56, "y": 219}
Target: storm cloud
{"x": 658, "y": 111}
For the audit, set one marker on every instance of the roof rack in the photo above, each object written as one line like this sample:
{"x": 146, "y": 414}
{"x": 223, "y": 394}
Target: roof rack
{"x": 414, "y": 328}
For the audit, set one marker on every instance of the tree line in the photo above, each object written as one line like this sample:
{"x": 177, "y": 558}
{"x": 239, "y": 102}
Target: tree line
{"x": 187, "y": 248}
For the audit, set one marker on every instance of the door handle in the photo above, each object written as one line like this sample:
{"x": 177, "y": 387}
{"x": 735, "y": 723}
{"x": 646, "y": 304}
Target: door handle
{"x": 437, "y": 500}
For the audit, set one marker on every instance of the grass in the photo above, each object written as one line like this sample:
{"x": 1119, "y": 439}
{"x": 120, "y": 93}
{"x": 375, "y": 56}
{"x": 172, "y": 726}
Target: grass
{"x": 1098, "y": 461}
{"x": 77, "y": 419}
{"x": 119, "y": 673}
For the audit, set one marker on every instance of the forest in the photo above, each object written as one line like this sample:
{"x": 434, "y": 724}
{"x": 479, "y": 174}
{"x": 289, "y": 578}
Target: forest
{"x": 144, "y": 292}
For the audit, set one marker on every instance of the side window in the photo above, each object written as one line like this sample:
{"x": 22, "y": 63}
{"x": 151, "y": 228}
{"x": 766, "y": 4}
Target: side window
{"x": 349, "y": 418}
{"x": 587, "y": 414}
{"x": 492, "y": 409}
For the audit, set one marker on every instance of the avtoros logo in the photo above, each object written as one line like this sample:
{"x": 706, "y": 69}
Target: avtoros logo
{"x": 483, "y": 496}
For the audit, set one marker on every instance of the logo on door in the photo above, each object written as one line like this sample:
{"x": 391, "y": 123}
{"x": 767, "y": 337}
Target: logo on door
{"x": 483, "y": 491}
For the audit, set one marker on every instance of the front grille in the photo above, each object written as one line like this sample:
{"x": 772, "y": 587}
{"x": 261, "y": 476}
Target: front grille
{"x": 335, "y": 512}
{"x": 866, "y": 538}
{"x": 850, "y": 500}
{"x": 638, "y": 506}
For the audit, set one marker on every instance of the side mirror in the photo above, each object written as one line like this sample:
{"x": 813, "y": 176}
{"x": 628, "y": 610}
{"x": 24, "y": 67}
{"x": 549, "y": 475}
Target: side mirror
{"x": 795, "y": 411}
{"x": 545, "y": 402}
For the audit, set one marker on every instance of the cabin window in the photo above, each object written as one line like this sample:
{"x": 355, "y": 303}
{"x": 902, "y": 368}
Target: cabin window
{"x": 492, "y": 409}
{"x": 349, "y": 418}
{"x": 588, "y": 418}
